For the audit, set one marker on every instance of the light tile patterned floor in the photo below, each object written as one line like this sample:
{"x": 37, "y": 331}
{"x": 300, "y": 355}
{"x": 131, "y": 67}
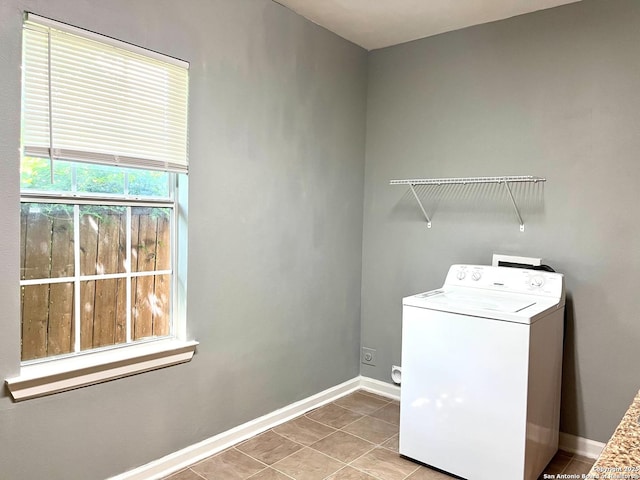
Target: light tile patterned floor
{"x": 353, "y": 438}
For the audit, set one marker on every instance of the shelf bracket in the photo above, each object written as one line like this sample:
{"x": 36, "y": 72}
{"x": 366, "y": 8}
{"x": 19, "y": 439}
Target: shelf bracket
{"x": 515, "y": 205}
{"x": 420, "y": 204}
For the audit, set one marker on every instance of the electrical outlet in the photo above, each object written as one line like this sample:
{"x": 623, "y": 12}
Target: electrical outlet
{"x": 368, "y": 356}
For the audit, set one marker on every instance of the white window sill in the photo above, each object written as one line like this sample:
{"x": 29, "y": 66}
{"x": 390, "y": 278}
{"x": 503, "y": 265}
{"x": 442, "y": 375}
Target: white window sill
{"x": 69, "y": 373}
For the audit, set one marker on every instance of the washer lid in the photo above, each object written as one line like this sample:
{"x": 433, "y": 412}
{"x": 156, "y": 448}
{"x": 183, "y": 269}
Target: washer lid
{"x": 484, "y": 304}
{"x": 452, "y": 300}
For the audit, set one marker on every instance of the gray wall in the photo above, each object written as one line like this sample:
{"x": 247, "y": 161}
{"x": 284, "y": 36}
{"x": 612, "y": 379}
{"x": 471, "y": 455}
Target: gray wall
{"x": 554, "y": 94}
{"x": 277, "y": 123}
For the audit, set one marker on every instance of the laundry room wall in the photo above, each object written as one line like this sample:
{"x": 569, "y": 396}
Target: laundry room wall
{"x": 277, "y": 122}
{"x": 553, "y": 94}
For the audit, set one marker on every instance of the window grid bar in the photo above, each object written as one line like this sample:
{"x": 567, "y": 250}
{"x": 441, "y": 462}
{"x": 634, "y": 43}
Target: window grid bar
{"x": 76, "y": 280}
{"x": 172, "y": 258}
{"x": 85, "y": 278}
{"x": 74, "y": 179}
{"x": 128, "y": 277}
{"x": 88, "y": 200}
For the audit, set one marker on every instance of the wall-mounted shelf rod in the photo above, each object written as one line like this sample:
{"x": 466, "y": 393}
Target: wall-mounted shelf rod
{"x": 465, "y": 180}
{"x": 505, "y": 180}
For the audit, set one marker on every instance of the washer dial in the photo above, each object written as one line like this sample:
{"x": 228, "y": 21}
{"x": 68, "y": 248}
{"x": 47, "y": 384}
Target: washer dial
{"x": 536, "y": 281}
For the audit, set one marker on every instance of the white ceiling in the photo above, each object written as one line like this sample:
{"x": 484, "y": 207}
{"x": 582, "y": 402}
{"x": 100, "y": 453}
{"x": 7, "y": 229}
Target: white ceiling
{"x": 380, "y": 23}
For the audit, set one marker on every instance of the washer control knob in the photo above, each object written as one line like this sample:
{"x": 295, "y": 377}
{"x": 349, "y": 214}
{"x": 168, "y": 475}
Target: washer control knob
{"x": 461, "y": 274}
{"x": 537, "y": 281}
{"x": 476, "y": 276}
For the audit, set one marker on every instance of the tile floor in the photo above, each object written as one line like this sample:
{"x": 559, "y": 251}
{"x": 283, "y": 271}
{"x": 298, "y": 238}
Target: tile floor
{"x": 353, "y": 438}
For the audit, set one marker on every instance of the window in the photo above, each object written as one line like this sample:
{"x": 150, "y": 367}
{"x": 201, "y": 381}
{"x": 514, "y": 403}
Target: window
{"x": 96, "y": 260}
{"x": 104, "y": 149}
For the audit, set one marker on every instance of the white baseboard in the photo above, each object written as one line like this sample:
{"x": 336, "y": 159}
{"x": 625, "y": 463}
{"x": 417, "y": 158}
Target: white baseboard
{"x": 388, "y": 390}
{"x": 581, "y": 446}
{"x": 176, "y": 461}
{"x": 181, "y": 459}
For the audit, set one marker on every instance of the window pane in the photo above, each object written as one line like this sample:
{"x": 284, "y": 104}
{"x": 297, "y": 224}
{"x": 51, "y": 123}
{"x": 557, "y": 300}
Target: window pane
{"x": 102, "y": 239}
{"x": 35, "y": 175}
{"x": 150, "y": 306}
{"x": 47, "y": 320}
{"x": 148, "y": 183}
{"x": 99, "y": 179}
{"x": 46, "y": 241}
{"x": 103, "y": 320}
{"x": 150, "y": 239}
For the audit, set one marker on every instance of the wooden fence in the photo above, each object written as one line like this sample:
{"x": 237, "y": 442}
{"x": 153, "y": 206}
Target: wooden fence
{"x": 47, "y": 251}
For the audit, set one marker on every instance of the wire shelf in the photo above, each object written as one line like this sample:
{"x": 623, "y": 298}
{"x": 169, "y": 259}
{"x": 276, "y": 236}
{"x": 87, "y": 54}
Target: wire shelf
{"x": 505, "y": 180}
{"x": 466, "y": 180}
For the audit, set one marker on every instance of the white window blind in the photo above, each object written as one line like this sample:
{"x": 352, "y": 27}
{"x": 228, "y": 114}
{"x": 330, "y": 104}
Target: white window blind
{"x": 94, "y": 99}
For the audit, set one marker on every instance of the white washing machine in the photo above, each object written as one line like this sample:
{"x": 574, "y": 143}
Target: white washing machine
{"x": 481, "y": 373}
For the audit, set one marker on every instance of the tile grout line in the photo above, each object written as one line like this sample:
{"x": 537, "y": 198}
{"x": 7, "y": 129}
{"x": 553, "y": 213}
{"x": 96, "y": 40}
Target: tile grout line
{"x": 417, "y": 468}
{"x": 360, "y": 413}
{"x": 362, "y": 438}
{"x": 356, "y": 469}
{"x": 565, "y": 467}
{"x": 337, "y": 429}
{"x": 299, "y": 443}
{"x": 347, "y": 433}
{"x": 350, "y": 411}
{"x": 247, "y": 455}
{"x": 411, "y": 473}
{"x": 374, "y": 395}
{"x": 574, "y": 459}
{"x": 377, "y": 397}
{"x": 394, "y": 424}
{"x": 302, "y": 447}
{"x": 276, "y": 470}
{"x": 359, "y": 457}
{"x": 313, "y": 449}
{"x": 259, "y": 471}
{"x": 196, "y": 473}
{"x": 339, "y": 470}
{"x": 373, "y": 443}
{"x": 221, "y": 453}
{"x": 360, "y": 470}
{"x": 373, "y": 447}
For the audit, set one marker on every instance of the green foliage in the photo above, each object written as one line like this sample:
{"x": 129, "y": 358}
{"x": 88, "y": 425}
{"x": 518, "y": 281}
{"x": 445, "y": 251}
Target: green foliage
{"x": 148, "y": 183}
{"x": 35, "y": 175}
{"x": 98, "y": 179}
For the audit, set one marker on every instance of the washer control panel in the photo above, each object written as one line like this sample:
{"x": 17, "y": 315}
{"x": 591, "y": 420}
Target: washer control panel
{"x": 515, "y": 280}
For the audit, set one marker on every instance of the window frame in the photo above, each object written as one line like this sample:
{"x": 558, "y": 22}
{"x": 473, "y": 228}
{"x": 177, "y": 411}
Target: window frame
{"x": 52, "y": 375}
{"x": 47, "y": 375}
